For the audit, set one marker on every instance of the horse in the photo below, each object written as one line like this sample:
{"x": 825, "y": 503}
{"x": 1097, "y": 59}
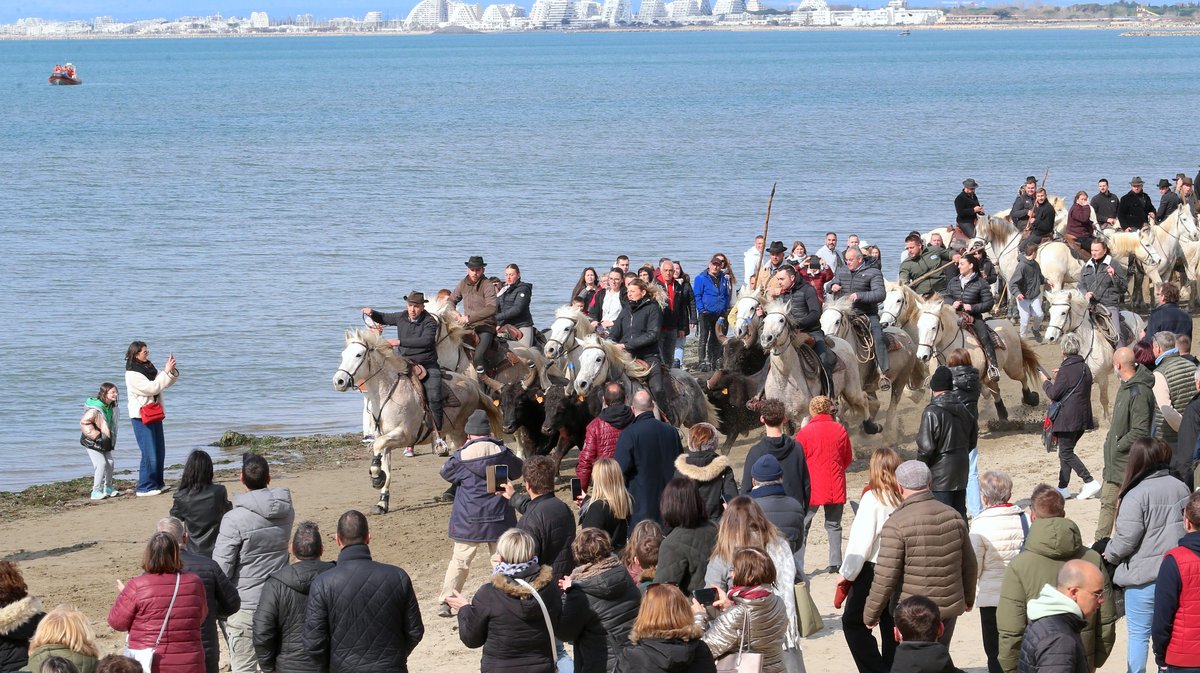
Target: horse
{"x": 453, "y": 354}
{"x": 938, "y": 332}
{"x": 899, "y": 308}
{"x": 1147, "y": 260}
{"x": 788, "y": 380}
{"x": 907, "y": 371}
{"x": 949, "y": 233}
{"x": 746, "y": 309}
{"x": 600, "y": 361}
{"x": 369, "y": 364}
{"x": 1059, "y": 266}
{"x": 562, "y": 347}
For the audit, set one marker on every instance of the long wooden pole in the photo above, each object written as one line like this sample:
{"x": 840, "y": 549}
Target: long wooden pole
{"x": 937, "y": 270}
{"x": 766, "y": 228}
{"x": 1045, "y": 174}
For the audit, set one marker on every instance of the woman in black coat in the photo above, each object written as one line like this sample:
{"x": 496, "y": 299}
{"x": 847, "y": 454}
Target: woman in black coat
{"x": 665, "y": 639}
{"x": 20, "y": 615}
{"x": 200, "y": 504}
{"x": 504, "y": 618}
{"x": 710, "y": 470}
{"x": 600, "y": 603}
{"x": 683, "y": 555}
{"x": 1072, "y": 389}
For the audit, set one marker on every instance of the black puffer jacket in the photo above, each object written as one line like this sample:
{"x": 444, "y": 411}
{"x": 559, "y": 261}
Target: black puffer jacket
{"x": 598, "y": 612}
{"x": 18, "y": 621}
{"x": 804, "y": 307}
{"x": 713, "y": 476}
{"x": 362, "y": 616}
{"x": 552, "y": 526}
{"x": 513, "y": 305}
{"x": 1076, "y": 412}
{"x": 1052, "y": 645}
{"x": 976, "y": 293}
{"x": 683, "y": 557}
{"x": 785, "y": 512}
{"x": 919, "y": 657}
{"x": 201, "y": 513}
{"x": 944, "y": 442}
{"x": 223, "y": 600}
{"x": 967, "y": 388}
{"x": 866, "y": 282}
{"x": 678, "y": 651}
{"x": 639, "y": 327}
{"x": 504, "y": 619}
{"x": 279, "y": 619}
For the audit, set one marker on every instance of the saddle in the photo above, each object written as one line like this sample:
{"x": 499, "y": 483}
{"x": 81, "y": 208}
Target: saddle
{"x": 510, "y": 332}
{"x": 499, "y": 357}
{"x": 966, "y": 320}
{"x": 418, "y": 374}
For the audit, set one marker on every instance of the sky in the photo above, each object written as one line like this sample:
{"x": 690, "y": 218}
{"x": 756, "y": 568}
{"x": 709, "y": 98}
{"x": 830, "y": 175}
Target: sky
{"x": 128, "y": 10}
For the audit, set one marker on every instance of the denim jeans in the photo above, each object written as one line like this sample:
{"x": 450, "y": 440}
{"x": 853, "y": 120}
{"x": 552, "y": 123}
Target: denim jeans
{"x": 1139, "y": 612}
{"x": 154, "y": 451}
{"x": 974, "y": 502}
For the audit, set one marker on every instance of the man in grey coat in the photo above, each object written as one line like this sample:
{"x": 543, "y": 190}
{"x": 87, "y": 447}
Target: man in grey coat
{"x": 865, "y": 288}
{"x": 252, "y": 545}
{"x": 1103, "y": 280}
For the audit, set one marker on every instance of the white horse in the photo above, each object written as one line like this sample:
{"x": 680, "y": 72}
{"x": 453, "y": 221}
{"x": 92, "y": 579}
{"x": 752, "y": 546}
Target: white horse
{"x": 938, "y": 333}
{"x": 1146, "y": 256}
{"x": 787, "y": 379}
{"x": 1068, "y": 314}
{"x": 907, "y": 371}
{"x": 746, "y": 308}
{"x": 899, "y": 308}
{"x": 369, "y": 364}
{"x": 1059, "y": 266}
{"x": 563, "y": 339}
{"x": 600, "y": 361}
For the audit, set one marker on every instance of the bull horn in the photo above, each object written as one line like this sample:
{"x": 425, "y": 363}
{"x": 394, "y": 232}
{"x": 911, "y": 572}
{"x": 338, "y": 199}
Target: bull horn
{"x": 490, "y": 382}
{"x": 529, "y": 378}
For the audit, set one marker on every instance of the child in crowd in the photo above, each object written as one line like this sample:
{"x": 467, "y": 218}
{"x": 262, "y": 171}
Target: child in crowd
{"x": 918, "y": 627}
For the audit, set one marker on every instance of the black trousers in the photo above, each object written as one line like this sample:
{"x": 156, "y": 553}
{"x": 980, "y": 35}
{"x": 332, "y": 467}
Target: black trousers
{"x": 867, "y": 655}
{"x": 487, "y": 335}
{"x": 433, "y": 392}
{"x": 657, "y": 381}
{"x": 955, "y": 499}
{"x": 1067, "y": 460}
{"x": 991, "y": 639}
{"x": 985, "y": 339}
{"x": 710, "y": 347}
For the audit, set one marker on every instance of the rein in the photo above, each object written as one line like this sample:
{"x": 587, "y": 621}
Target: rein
{"x": 937, "y": 332}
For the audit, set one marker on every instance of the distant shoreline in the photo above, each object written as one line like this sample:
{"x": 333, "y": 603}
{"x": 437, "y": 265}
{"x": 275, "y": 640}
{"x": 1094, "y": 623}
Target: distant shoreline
{"x": 1129, "y": 28}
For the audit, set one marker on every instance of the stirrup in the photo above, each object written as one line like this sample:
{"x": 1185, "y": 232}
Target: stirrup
{"x": 885, "y": 384}
{"x": 993, "y": 372}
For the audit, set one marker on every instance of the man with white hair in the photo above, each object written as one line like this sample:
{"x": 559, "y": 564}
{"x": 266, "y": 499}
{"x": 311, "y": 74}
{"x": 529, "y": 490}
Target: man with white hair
{"x": 1174, "y": 387}
{"x": 221, "y": 594}
{"x": 924, "y": 550}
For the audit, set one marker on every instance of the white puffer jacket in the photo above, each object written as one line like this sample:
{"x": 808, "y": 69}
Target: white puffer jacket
{"x": 997, "y": 535}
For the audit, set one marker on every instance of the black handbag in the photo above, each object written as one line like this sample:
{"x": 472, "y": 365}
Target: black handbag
{"x": 102, "y": 444}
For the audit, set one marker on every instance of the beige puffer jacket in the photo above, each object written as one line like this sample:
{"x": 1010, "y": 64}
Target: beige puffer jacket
{"x": 767, "y": 621}
{"x": 924, "y": 550}
{"x": 997, "y": 536}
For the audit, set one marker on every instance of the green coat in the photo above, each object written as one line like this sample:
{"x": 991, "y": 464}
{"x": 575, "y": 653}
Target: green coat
{"x": 83, "y": 662}
{"x": 930, "y": 259}
{"x": 1133, "y": 411}
{"x": 1051, "y": 543}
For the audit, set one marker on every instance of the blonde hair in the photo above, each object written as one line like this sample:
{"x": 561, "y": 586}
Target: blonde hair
{"x": 65, "y": 625}
{"x": 884, "y": 462}
{"x": 820, "y": 405}
{"x": 664, "y": 611}
{"x": 743, "y": 525}
{"x": 608, "y": 484}
{"x": 516, "y": 546}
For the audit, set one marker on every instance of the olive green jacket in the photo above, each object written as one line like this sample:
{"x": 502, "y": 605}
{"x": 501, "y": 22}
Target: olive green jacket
{"x": 1133, "y": 411}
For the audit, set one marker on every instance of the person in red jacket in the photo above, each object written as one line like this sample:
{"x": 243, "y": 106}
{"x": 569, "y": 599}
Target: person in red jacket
{"x": 1175, "y": 629}
{"x": 827, "y": 452}
{"x": 163, "y": 593}
{"x": 816, "y": 273}
{"x": 600, "y": 438}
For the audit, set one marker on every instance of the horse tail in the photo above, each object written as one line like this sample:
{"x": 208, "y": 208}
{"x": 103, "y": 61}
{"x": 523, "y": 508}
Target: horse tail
{"x": 1029, "y": 364}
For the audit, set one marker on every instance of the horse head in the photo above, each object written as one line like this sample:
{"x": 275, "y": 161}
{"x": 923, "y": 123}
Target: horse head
{"x": 569, "y": 324}
{"x": 773, "y": 333}
{"x": 929, "y": 327}
{"x": 892, "y": 307}
{"x": 1148, "y": 245}
{"x": 593, "y": 368}
{"x": 1060, "y": 319}
{"x": 834, "y": 317}
{"x": 355, "y": 355}
{"x": 747, "y": 312}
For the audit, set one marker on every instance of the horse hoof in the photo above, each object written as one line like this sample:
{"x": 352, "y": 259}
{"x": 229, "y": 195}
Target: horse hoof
{"x": 379, "y": 509}
{"x": 1030, "y": 398}
{"x": 871, "y": 428}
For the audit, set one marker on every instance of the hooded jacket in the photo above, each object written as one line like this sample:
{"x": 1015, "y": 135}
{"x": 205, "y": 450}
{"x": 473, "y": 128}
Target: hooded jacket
{"x": 279, "y": 619}
{"x": 85, "y": 663}
{"x": 924, "y": 550}
{"x": 997, "y": 535}
{"x": 967, "y": 388}
{"x": 477, "y": 515}
{"x": 827, "y": 454}
{"x": 1132, "y": 413}
{"x": 1176, "y": 626}
{"x": 18, "y": 620}
{"x": 222, "y": 599}
{"x": 201, "y": 512}
{"x": 141, "y": 608}
{"x": 504, "y": 619}
{"x": 598, "y": 611}
{"x": 944, "y": 442}
{"x": 253, "y": 540}
{"x": 1075, "y": 414}
{"x": 1050, "y": 544}
{"x": 600, "y": 439}
{"x": 1105, "y": 289}
{"x": 922, "y": 657}
{"x": 1149, "y": 522}
{"x": 791, "y": 458}
{"x": 916, "y": 267}
{"x": 672, "y": 651}
{"x": 712, "y": 475}
{"x": 713, "y": 293}
{"x": 639, "y": 327}
{"x": 99, "y": 420}
{"x": 1027, "y": 279}
{"x": 1052, "y": 643}
{"x": 513, "y": 305}
{"x": 362, "y": 616}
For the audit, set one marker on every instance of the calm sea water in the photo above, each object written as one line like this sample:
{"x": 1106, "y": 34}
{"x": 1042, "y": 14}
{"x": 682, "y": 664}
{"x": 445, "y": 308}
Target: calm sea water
{"x": 235, "y": 202}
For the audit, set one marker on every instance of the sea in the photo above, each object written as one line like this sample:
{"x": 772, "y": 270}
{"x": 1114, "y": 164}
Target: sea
{"x": 235, "y": 202}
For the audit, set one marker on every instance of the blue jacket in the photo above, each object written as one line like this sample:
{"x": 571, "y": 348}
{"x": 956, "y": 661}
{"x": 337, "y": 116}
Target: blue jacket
{"x": 646, "y": 452}
{"x": 712, "y": 294}
{"x": 479, "y": 516}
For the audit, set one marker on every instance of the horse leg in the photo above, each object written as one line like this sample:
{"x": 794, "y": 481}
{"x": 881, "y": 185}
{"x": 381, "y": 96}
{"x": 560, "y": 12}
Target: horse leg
{"x": 869, "y": 425}
{"x": 1001, "y": 410}
{"x": 381, "y": 507}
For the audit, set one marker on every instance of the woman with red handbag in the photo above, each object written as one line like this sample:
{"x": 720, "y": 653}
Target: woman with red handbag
{"x": 144, "y": 385}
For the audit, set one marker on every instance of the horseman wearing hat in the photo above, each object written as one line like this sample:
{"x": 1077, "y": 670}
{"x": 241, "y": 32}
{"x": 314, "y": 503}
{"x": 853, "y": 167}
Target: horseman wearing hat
{"x": 1136, "y": 209}
{"x": 777, "y": 258}
{"x": 1167, "y": 202}
{"x": 478, "y": 313}
{"x": 416, "y": 341}
{"x": 967, "y": 208}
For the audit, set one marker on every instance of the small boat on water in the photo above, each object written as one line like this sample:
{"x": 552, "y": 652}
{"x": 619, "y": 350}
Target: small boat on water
{"x": 904, "y": 33}
{"x": 65, "y": 75}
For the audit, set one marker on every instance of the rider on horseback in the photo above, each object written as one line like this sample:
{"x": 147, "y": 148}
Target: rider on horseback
{"x": 804, "y": 313}
{"x": 967, "y": 209}
{"x": 972, "y": 296}
{"x": 1103, "y": 281}
{"x": 865, "y": 287}
{"x": 478, "y": 296}
{"x": 638, "y": 330}
{"x": 918, "y": 269}
{"x": 1041, "y": 220}
{"x": 416, "y": 341}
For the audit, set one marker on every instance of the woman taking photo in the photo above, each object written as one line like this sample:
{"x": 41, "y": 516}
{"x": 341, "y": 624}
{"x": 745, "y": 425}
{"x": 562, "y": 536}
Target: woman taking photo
{"x": 665, "y": 637}
{"x": 879, "y": 500}
{"x": 609, "y": 505}
{"x": 586, "y": 287}
{"x": 710, "y": 470}
{"x": 998, "y": 535}
{"x": 504, "y": 617}
{"x": 99, "y": 427}
{"x": 752, "y": 619}
{"x": 683, "y": 555}
{"x": 144, "y": 386}
{"x": 600, "y": 603}
{"x": 200, "y": 504}
{"x": 1149, "y": 524}
{"x": 163, "y": 609}
{"x": 64, "y": 632}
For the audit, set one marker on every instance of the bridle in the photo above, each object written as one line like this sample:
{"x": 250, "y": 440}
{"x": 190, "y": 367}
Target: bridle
{"x": 937, "y": 331}
{"x": 745, "y": 320}
{"x": 562, "y": 345}
{"x": 1072, "y": 326}
{"x": 782, "y": 338}
{"x": 376, "y": 415}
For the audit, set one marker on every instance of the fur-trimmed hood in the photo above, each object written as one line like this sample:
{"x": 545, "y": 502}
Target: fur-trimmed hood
{"x": 701, "y": 465}
{"x": 19, "y": 613}
{"x": 543, "y": 577}
{"x": 689, "y": 632}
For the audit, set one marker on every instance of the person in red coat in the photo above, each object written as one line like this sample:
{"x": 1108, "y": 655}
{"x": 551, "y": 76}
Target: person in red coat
{"x": 816, "y": 273}
{"x": 600, "y": 437}
{"x": 143, "y": 603}
{"x": 827, "y": 452}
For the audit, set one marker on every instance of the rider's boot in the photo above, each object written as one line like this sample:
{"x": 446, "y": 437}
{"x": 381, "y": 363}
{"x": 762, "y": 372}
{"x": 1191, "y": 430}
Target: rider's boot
{"x": 989, "y": 350}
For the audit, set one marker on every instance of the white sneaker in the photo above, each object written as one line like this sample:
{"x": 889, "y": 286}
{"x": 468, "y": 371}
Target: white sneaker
{"x": 408, "y": 452}
{"x": 1089, "y": 490}
{"x": 146, "y": 494}
{"x": 1065, "y": 493}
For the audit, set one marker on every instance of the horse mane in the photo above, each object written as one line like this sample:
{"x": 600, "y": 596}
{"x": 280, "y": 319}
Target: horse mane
{"x": 910, "y": 300}
{"x": 1074, "y": 295}
{"x": 376, "y": 342}
{"x": 1122, "y": 243}
{"x": 617, "y": 356}
{"x": 841, "y": 303}
{"x": 747, "y": 293}
{"x": 935, "y": 298}
{"x": 996, "y": 229}
{"x": 454, "y": 331}
{"x": 777, "y": 306}
{"x": 582, "y": 324}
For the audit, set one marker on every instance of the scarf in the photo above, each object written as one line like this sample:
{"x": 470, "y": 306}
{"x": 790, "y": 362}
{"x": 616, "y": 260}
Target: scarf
{"x": 514, "y": 569}
{"x": 749, "y": 593}
{"x": 617, "y": 415}
{"x": 105, "y": 409}
{"x": 146, "y": 368}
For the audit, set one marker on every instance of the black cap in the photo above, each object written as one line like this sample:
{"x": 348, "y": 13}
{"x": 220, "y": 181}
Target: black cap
{"x": 1164, "y": 184}
{"x": 1030, "y": 180}
{"x": 942, "y": 379}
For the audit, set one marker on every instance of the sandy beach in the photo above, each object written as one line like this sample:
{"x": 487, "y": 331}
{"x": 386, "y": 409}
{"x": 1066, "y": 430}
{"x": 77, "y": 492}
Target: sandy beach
{"x": 75, "y": 556}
